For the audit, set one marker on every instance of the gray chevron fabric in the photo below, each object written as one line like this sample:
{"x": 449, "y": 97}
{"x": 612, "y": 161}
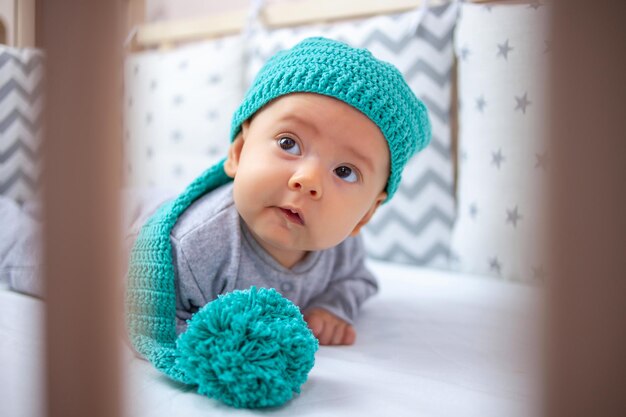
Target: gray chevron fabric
{"x": 416, "y": 226}
{"x": 21, "y": 72}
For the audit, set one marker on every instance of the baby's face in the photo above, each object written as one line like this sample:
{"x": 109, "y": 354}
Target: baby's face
{"x": 309, "y": 171}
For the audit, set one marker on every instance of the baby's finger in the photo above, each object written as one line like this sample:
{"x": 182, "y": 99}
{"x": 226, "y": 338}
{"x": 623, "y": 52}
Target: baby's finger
{"x": 326, "y": 336}
{"x": 349, "y": 336}
{"x": 338, "y": 334}
{"x": 316, "y": 324}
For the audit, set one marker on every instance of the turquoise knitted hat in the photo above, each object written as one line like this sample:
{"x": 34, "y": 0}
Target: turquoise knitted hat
{"x": 354, "y": 76}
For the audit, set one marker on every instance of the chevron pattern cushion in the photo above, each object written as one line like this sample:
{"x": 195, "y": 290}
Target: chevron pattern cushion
{"x": 503, "y": 162}
{"x": 178, "y": 109}
{"x": 21, "y": 72}
{"x": 416, "y": 225}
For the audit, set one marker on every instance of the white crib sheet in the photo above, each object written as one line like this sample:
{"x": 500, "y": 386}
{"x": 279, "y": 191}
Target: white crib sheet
{"x": 432, "y": 343}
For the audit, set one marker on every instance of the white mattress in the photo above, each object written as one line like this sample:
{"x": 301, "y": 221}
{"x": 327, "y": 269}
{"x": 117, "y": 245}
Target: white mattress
{"x": 431, "y": 343}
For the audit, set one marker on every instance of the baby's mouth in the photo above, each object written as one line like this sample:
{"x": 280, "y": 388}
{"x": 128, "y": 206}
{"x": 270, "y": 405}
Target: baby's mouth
{"x": 293, "y": 215}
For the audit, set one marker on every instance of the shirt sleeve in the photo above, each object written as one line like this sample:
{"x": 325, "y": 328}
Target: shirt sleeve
{"x": 350, "y": 285}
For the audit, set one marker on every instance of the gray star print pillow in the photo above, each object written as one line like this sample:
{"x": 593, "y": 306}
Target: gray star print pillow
{"x": 178, "y": 107}
{"x": 503, "y": 161}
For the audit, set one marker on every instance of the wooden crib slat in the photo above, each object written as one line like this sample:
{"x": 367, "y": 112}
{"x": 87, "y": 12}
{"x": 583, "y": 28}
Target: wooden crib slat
{"x": 586, "y": 361}
{"x": 81, "y": 180}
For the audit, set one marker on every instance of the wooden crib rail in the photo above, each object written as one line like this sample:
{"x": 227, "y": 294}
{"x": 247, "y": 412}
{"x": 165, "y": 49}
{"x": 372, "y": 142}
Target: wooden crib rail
{"x": 165, "y": 34}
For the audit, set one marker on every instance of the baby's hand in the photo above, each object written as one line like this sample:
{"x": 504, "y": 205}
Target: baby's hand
{"x": 328, "y": 328}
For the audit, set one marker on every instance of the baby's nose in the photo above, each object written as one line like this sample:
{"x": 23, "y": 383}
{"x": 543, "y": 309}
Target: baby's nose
{"x": 307, "y": 179}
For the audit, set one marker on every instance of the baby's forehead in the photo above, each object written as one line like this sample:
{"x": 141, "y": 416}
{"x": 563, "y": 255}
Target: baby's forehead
{"x": 326, "y": 117}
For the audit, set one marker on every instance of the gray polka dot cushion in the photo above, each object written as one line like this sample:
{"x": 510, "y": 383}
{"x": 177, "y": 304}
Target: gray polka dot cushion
{"x": 502, "y": 50}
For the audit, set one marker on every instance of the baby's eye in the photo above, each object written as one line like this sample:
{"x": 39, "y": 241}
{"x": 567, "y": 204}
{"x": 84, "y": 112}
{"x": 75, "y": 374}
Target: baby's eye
{"x": 289, "y": 145}
{"x": 346, "y": 173}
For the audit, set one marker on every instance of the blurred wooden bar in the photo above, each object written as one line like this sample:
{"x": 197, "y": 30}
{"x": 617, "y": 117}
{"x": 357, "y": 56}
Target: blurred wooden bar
{"x": 81, "y": 179}
{"x": 587, "y": 303}
{"x": 273, "y": 15}
{"x": 25, "y": 24}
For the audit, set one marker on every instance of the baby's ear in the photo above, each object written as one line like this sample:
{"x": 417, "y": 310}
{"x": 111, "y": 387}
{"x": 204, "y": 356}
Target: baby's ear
{"x": 234, "y": 151}
{"x": 377, "y": 202}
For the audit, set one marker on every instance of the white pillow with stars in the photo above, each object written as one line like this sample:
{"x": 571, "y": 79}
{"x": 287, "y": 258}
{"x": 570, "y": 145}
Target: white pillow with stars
{"x": 502, "y": 50}
{"x": 178, "y": 108}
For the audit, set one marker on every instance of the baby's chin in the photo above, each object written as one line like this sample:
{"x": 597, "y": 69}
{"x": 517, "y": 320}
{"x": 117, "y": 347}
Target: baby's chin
{"x": 275, "y": 236}
{"x": 288, "y": 242}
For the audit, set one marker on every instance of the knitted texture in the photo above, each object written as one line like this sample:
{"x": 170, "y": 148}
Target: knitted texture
{"x": 354, "y": 76}
{"x": 150, "y": 294}
{"x": 248, "y": 349}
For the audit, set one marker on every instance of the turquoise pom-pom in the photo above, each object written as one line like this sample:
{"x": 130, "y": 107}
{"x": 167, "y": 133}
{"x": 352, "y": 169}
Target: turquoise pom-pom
{"x": 248, "y": 348}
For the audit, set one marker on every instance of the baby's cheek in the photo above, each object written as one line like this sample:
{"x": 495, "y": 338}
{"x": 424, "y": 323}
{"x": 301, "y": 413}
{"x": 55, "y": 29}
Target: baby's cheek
{"x": 331, "y": 233}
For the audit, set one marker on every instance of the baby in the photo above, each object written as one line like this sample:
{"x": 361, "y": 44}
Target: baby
{"x": 318, "y": 144}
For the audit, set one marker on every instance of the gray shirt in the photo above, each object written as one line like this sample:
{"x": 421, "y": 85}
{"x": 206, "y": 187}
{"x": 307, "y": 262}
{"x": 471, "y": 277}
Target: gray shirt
{"x": 214, "y": 253}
